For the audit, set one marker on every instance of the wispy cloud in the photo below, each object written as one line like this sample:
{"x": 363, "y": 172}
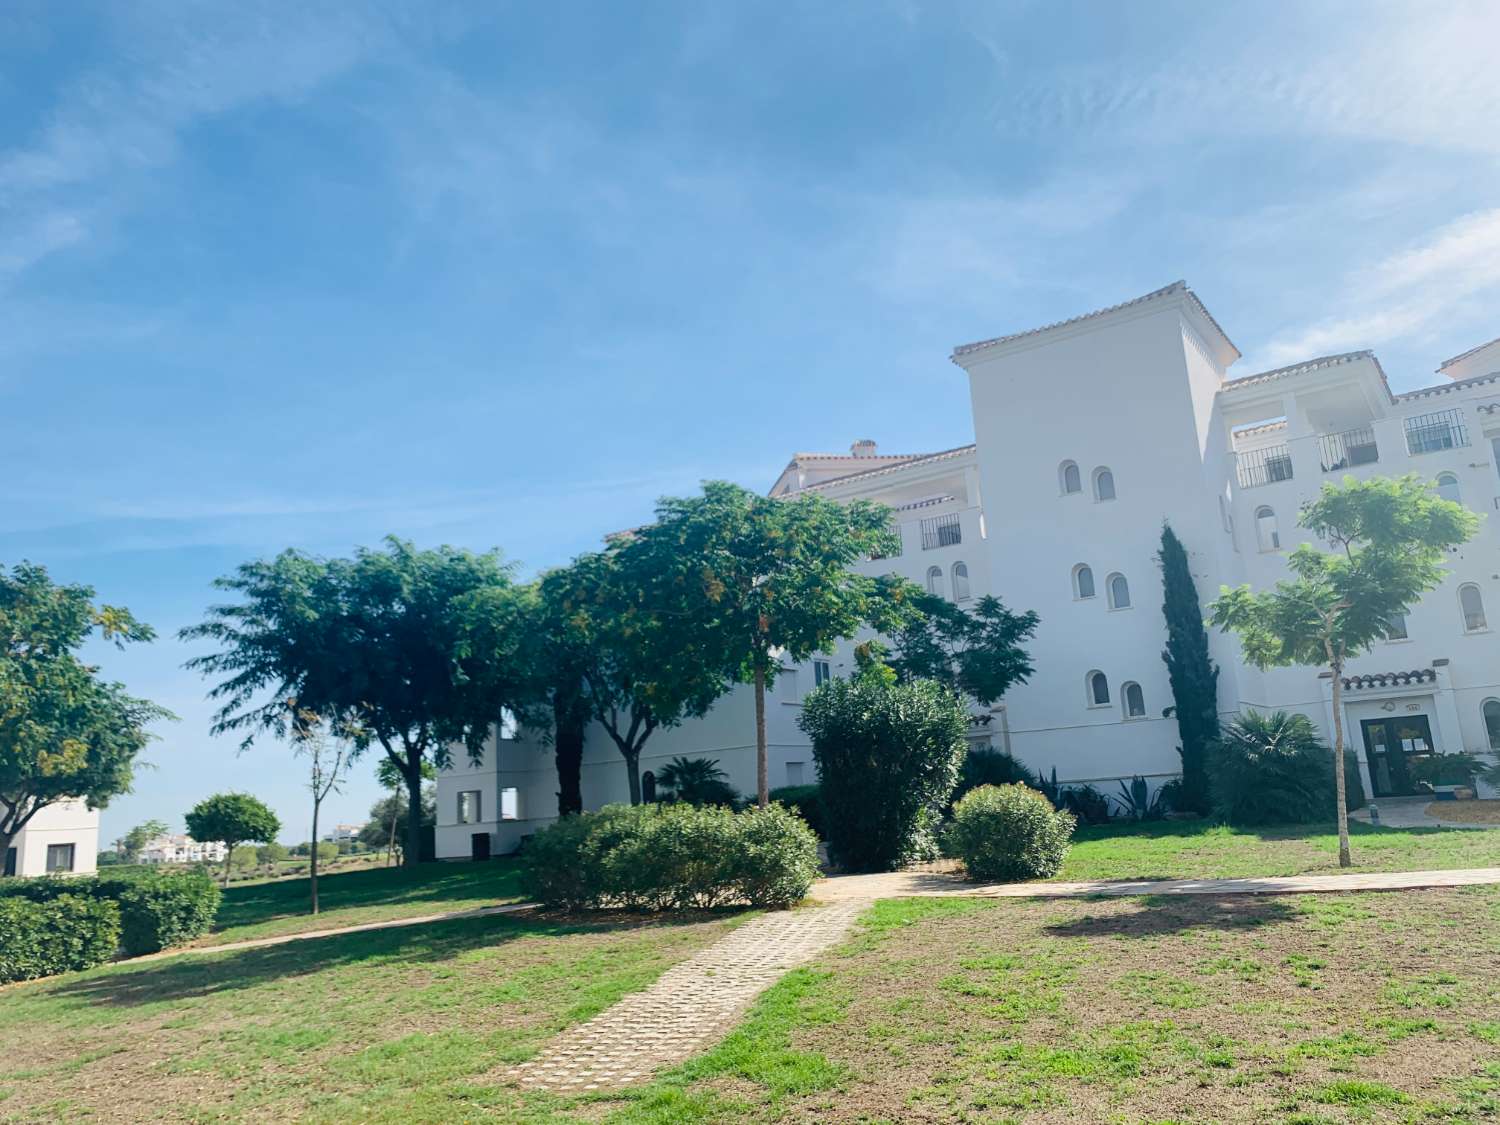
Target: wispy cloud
{"x": 1452, "y": 274}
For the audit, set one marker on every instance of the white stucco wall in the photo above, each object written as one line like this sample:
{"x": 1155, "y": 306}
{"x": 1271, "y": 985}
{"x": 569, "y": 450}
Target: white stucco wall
{"x": 68, "y": 822}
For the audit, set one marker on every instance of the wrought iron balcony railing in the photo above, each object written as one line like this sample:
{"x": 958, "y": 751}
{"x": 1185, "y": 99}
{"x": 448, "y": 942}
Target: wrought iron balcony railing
{"x": 1264, "y": 466}
{"x": 1348, "y": 448}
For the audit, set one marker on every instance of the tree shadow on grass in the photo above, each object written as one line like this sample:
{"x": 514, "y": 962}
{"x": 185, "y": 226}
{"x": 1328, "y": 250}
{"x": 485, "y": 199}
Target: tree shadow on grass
{"x": 1159, "y": 915}
{"x": 198, "y": 975}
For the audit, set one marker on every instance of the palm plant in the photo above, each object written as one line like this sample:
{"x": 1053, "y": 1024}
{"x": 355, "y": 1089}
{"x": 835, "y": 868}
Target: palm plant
{"x": 1269, "y": 768}
{"x": 696, "y": 781}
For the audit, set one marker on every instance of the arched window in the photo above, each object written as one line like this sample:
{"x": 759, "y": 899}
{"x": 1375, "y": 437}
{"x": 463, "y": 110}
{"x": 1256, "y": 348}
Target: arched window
{"x": 648, "y": 787}
{"x": 1083, "y": 581}
{"x": 1069, "y": 477}
{"x": 1267, "y": 534}
{"x": 1134, "y": 700}
{"x": 1447, "y": 487}
{"x": 1492, "y": 722}
{"x": 1104, "y": 484}
{"x": 1098, "y": 689}
{"x": 1471, "y": 601}
{"x": 935, "y": 580}
{"x": 1119, "y": 592}
{"x": 960, "y": 582}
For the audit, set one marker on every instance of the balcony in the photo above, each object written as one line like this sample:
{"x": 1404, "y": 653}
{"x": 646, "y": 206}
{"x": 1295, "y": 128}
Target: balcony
{"x": 1348, "y": 448}
{"x": 1264, "y": 466}
{"x": 1432, "y": 433}
{"x": 941, "y": 531}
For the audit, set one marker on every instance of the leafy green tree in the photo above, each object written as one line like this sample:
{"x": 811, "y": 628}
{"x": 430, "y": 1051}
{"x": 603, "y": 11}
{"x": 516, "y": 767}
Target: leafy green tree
{"x": 64, "y": 733}
{"x": 975, "y": 652}
{"x": 1190, "y": 670}
{"x": 415, "y": 651}
{"x": 1390, "y": 539}
{"x": 234, "y": 818}
{"x": 696, "y": 781}
{"x": 888, "y": 759}
{"x": 561, "y": 657}
{"x": 268, "y": 854}
{"x": 645, "y": 663}
{"x": 134, "y": 842}
{"x": 754, "y": 582}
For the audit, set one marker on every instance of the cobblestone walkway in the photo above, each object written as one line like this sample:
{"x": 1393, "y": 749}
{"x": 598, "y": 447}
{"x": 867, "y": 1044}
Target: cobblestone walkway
{"x": 690, "y": 1006}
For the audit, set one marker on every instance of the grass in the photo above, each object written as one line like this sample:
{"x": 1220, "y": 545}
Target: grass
{"x": 1312, "y": 1009}
{"x": 274, "y": 908}
{"x": 402, "y": 1025}
{"x": 1192, "y": 849}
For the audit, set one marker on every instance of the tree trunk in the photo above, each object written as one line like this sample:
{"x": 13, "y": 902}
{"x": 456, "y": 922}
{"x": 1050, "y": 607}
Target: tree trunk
{"x": 411, "y": 854}
{"x": 762, "y": 779}
{"x": 1338, "y": 762}
{"x": 312, "y": 865}
{"x": 568, "y": 724}
{"x": 633, "y": 774}
{"x": 228, "y": 855}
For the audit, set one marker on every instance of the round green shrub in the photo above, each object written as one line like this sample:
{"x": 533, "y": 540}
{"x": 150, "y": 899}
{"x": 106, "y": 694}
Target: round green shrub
{"x": 56, "y": 935}
{"x": 671, "y": 857}
{"x": 1009, "y": 832}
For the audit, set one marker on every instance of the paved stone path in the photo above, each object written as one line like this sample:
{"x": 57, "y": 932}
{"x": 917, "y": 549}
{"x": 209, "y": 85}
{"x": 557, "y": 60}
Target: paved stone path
{"x": 902, "y": 884}
{"x": 690, "y": 1006}
{"x": 1411, "y": 812}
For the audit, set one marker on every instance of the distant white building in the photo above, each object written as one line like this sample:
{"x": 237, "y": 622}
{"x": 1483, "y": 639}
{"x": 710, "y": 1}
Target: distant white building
{"x": 1089, "y": 434}
{"x": 61, "y": 839}
{"x": 342, "y": 834}
{"x": 182, "y": 849}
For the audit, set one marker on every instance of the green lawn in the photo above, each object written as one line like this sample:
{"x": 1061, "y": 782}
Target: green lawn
{"x": 1190, "y": 849}
{"x": 405, "y": 1025}
{"x": 269, "y": 909}
{"x": 1307, "y": 1009}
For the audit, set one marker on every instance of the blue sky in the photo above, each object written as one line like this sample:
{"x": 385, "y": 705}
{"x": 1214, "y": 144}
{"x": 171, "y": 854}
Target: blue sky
{"x": 501, "y": 274}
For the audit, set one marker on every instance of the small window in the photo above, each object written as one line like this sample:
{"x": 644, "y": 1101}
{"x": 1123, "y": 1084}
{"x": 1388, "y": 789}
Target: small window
{"x": 796, "y": 773}
{"x": 1267, "y": 534}
{"x": 468, "y": 807}
{"x": 59, "y": 858}
{"x": 1119, "y": 592}
{"x": 1070, "y": 478}
{"x": 1472, "y": 603}
{"x": 1492, "y": 722}
{"x": 1447, "y": 487}
{"x": 1098, "y": 689}
{"x": 935, "y": 581}
{"x": 821, "y": 673}
{"x": 510, "y": 727}
{"x": 1083, "y": 581}
{"x": 1104, "y": 484}
{"x": 960, "y": 582}
{"x": 1395, "y": 627}
{"x": 510, "y": 802}
{"x": 1135, "y": 701}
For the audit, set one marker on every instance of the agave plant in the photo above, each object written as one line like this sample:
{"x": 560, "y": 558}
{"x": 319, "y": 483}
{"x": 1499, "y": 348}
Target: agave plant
{"x": 696, "y": 781}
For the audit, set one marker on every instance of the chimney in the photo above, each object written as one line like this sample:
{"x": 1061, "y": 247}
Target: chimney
{"x": 864, "y": 447}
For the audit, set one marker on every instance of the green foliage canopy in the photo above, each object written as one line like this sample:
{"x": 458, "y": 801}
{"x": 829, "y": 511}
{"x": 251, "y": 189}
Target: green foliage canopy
{"x": 975, "y": 652}
{"x": 234, "y": 818}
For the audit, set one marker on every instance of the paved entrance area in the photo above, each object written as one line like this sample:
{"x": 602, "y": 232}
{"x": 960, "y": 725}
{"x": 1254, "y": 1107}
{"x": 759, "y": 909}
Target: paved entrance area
{"x": 690, "y": 1006}
{"x": 1413, "y": 812}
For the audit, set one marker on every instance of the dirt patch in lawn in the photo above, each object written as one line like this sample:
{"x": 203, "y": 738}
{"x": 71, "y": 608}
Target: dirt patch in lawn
{"x": 1315, "y": 1009}
{"x": 1466, "y": 812}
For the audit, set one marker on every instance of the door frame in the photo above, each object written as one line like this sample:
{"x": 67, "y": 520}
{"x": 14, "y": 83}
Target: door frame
{"x": 1395, "y": 756}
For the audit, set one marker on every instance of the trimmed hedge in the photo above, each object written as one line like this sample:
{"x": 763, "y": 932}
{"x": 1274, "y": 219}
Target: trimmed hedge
{"x": 806, "y": 801}
{"x": 157, "y": 909}
{"x": 671, "y": 857}
{"x": 1008, "y": 833}
{"x": 58, "y": 935}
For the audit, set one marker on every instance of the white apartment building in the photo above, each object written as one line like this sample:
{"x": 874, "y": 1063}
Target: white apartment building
{"x": 1089, "y": 434}
{"x": 61, "y": 839}
{"x": 182, "y": 849}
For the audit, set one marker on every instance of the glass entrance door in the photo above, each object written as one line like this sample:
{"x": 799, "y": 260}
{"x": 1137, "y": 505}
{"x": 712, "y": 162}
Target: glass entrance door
{"x": 1390, "y": 747}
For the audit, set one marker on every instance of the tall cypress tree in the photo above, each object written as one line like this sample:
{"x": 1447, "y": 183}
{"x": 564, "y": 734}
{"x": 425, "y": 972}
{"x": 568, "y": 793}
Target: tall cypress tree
{"x": 1193, "y": 674}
